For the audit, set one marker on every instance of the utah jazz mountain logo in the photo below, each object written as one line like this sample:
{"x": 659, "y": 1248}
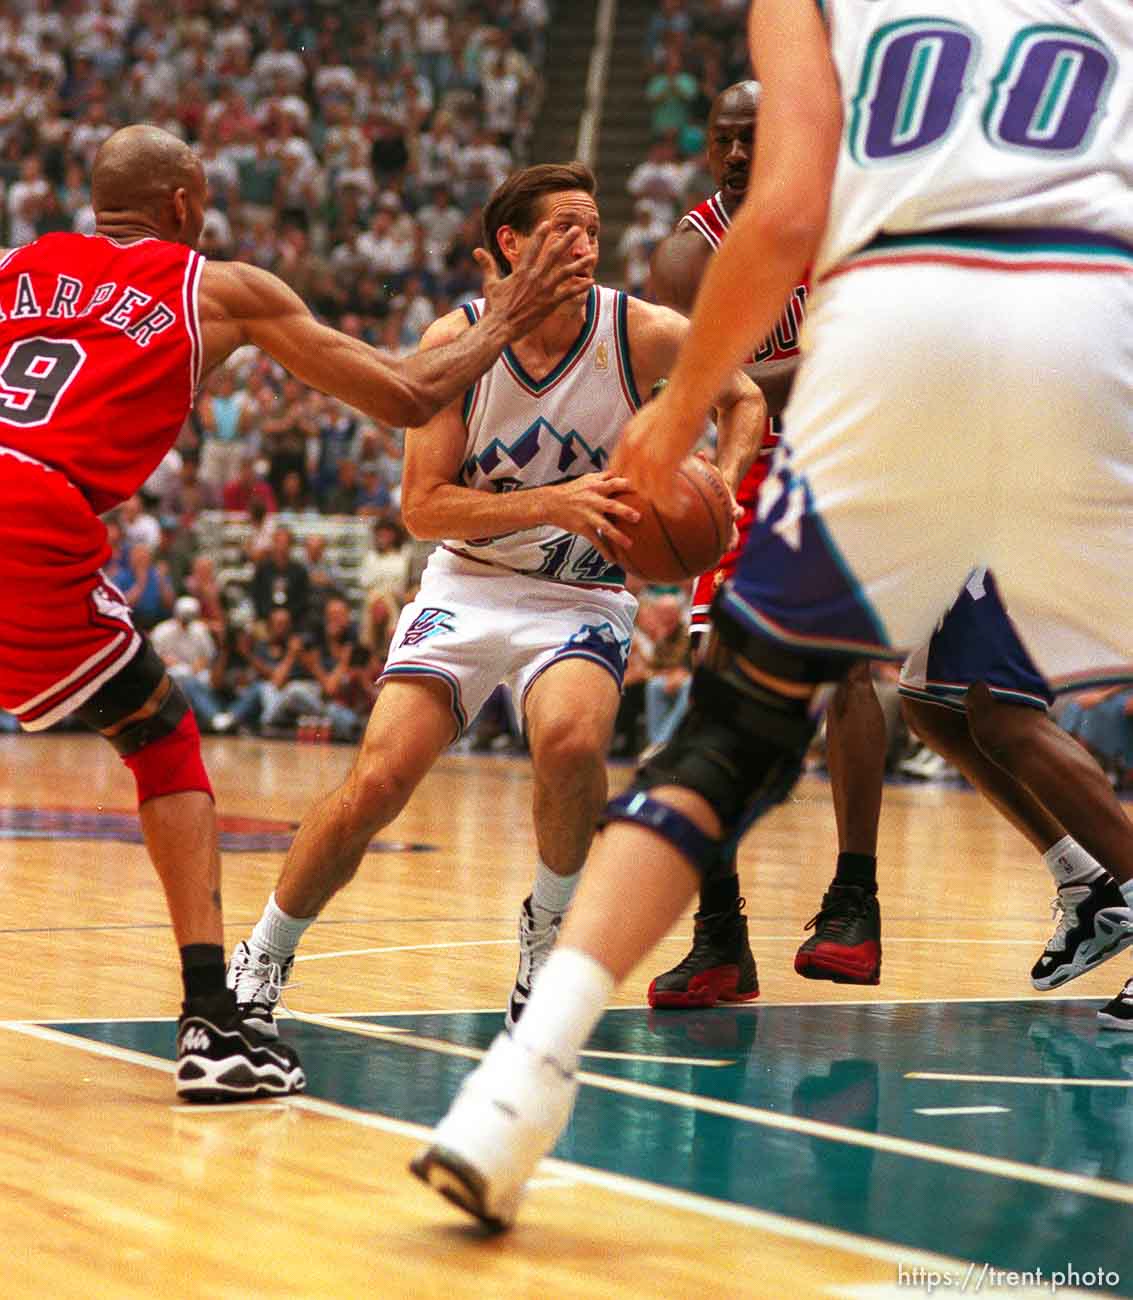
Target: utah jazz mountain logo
{"x": 541, "y": 446}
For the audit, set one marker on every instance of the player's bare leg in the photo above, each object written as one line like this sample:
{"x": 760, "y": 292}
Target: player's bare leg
{"x": 1059, "y": 773}
{"x": 947, "y": 733}
{"x": 411, "y": 724}
{"x": 846, "y": 944}
{"x": 218, "y": 1059}
{"x": 1053, "y": 793}
{"x": 570, "y": 713}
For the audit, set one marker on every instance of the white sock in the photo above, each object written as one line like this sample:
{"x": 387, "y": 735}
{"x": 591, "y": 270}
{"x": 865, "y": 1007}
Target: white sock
{"x": 278, "y": 934}
{"x": 1070, "y": 864}
{"x": 1127, "y": 891}
{"x": 568, "y": 999}
{"x": 551, "y": 894}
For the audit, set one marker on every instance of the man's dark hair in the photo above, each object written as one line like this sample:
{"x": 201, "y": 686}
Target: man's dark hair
{"x": 515, "y": 203}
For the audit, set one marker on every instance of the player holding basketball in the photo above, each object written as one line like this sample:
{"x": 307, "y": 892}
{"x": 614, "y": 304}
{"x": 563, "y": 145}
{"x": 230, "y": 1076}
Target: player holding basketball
{"x": 846, "y": 943}
{"x": 524, "y": 590}
{"x": 103, "y": 340}
{"x": 961, "y": 187}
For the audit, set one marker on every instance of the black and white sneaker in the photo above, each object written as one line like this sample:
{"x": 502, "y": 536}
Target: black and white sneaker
{"x": 257, "y": 980}
{"x": 1096, "y": 923}
{"x": 232, "y": 1063}
{"x": 1118, "y": 1014}
{"x": 535, "y": 945}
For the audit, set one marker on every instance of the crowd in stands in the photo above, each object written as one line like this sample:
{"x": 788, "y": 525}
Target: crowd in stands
{"x": 349, "y": 148}
{"x": 692, "y": 52}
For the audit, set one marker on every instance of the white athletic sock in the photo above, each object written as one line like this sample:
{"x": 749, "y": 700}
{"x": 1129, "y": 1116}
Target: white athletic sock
{"x": 1070, "y": 864}
{"x": 278, "y": 934}
{"x": 1127, "y": 891}
{"x": 551, "y": 894}
{"x": 568, "y": 999}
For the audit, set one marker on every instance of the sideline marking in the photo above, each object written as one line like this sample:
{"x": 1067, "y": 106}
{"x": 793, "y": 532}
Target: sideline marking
{"x": 1022, "y": 1078}
{"x": 963, "y": 1110}
{"x": 621, "y": 1184}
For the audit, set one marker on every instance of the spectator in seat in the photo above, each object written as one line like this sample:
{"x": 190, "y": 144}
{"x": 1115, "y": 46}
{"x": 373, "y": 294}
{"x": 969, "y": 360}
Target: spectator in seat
{"x": 384, "y": 577}
{"x": 248, "y": 486}
{"x": 226, "y": 414}
{"x": 149, "y": 592}
{"x": 187, "y": 649}
{"x": 343, "y": 498}
{"x": 281, "y": 581}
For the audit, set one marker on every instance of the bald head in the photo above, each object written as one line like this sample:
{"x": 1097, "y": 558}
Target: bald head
{"x": 740, "y": 99}
{"x": 144, "y": 176}
{"x": 731, "y": 139}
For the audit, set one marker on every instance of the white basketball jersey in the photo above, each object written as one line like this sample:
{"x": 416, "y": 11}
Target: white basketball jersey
{"x": 964, "y": 117}
{"x": 525, "y": 432}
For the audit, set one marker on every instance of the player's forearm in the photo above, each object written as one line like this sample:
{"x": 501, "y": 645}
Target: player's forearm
{"x": 439, "y": 375}
{"x": 449, "y": 510}
{"x": 775, "y": 379}
{"x": 739, "y": 434}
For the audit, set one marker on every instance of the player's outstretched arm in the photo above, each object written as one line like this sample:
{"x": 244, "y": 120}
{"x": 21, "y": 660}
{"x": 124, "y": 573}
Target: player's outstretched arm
{"x": 243, "y": 304}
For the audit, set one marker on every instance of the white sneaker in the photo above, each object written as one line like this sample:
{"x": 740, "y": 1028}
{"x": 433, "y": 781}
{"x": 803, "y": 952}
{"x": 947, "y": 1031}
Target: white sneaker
{"x": 506, "y": 1117}
{"x": 257, "y": 980}
{"x": 535, "y": 946}
{"x": 926, "y": 765}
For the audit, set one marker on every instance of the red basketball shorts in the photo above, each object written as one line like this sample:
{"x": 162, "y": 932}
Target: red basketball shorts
{"x": 64, "y": 630}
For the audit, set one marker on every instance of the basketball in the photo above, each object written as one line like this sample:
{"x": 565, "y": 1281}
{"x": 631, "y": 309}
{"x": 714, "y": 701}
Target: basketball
{"x": 689, "y": 536}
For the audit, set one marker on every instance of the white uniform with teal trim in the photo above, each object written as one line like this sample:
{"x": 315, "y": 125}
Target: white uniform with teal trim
{"x": 966, "y": 391}
{"x": 505, "y": 609}
{"x": 966, "y": 118}
{"x": 524, "y": 433}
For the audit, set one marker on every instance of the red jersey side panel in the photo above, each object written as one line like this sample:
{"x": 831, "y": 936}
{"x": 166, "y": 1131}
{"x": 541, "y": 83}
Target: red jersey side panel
{"x": 99, "y": 357}
{"x": 710, "y": 219}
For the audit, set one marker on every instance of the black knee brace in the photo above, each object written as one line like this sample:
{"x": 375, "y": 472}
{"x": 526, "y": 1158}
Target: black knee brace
{"x": 125, "y": 693}
{"x": 740, "y": 747}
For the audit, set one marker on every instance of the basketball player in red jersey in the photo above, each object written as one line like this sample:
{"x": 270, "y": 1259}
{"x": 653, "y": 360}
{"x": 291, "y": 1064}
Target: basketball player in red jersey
{"x": 103, "y": 340}
{"x": 846, "y": 944}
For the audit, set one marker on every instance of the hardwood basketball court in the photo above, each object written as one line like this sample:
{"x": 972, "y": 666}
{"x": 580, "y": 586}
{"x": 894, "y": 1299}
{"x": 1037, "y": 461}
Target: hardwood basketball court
{"x": 823, "y": 1141}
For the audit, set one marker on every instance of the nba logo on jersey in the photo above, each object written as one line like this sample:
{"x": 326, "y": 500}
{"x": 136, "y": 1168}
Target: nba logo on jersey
{"x": 428, "y": 623}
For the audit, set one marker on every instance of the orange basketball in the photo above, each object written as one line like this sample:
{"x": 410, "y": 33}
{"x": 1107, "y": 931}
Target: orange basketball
{"x": 689, "y": 536}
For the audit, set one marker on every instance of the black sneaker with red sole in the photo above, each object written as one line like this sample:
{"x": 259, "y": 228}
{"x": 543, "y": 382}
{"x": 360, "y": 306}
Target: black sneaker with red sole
{"x": 719, "y": 967}
{"x": 846, "y": 944}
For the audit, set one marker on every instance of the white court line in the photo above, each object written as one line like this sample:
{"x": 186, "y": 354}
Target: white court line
{"x": 404, "y": 947}
{"x": 672, "y": 1198}
{"x": 385, "y": 1031}
{"x": 1021, "y": 1078}
{"x": 967, "y": 1160}
{"x": 963, "y": 1110}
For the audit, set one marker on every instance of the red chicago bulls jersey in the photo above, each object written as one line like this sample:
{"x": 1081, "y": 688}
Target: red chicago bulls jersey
{"x": 100, "y": 354}
{"x": 710, "y": 219}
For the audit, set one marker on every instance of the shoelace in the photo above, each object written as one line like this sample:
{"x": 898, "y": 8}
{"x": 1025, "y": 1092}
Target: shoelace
{"x": 704, "y": 937}
{"x": 1066, "y": 922}
{"x": 260, "y": 987}
{"x": 837, "y": 915}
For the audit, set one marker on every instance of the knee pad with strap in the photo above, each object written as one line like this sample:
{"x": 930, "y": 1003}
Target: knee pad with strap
{"x": 740, "y": 748}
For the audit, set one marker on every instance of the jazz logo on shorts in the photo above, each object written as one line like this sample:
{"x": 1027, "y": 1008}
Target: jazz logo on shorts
{"x": 428, "y": 623}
